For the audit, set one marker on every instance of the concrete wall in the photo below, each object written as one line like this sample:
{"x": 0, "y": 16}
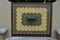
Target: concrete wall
{"x": 5, "y": 15}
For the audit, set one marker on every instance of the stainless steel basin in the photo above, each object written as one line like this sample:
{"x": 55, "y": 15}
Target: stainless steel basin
{"x": 30, "y": 38}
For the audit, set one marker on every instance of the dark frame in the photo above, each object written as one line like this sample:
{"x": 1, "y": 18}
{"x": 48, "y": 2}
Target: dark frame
{"x": 31, "y": 35}
{"x": 40, "y": 1}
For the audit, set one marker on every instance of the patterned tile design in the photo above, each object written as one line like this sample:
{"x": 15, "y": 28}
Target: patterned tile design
{"x": 31, "y": 18}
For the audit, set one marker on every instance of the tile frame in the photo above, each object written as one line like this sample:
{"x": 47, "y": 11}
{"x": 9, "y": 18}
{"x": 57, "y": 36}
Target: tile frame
{"x": 33, "y": 35}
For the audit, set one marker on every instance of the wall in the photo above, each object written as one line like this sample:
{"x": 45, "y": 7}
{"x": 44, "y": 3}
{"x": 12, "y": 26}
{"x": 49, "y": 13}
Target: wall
{"x": 56, "y": 16}
{"x": 5, "y": 15}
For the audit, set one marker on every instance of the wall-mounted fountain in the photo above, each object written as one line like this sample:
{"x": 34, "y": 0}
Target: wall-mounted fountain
{"x": 31, "y": 17}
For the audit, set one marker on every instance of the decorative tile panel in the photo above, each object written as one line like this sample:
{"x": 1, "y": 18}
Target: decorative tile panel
{"x": 34, "y": 18}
